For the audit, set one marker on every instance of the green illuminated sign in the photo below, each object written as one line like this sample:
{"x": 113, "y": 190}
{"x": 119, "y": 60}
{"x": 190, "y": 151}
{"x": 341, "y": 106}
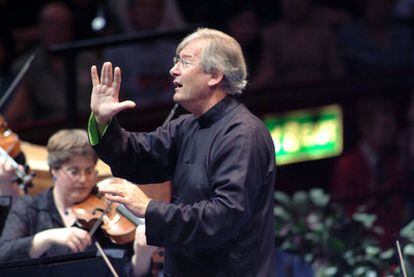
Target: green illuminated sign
{"x": 305, "y": 135}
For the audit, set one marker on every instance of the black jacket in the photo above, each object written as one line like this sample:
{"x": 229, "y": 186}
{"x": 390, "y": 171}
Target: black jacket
{"x": 222, "y": 166}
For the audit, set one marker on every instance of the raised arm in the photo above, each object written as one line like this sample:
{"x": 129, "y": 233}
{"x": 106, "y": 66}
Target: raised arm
{"x": 105, "y": 93}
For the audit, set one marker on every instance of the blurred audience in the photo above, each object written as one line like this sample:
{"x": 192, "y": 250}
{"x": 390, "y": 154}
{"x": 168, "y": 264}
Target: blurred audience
{"x": 369, "y": 175}
{"x": 300, "y": 48}
{"x": 374, "y": 43}
{"x": 407, "y": 143}
{"x": 244, "y": 26}
{"x": 171, "y": 16}
{"x": 42, "y": 92}
{"x": 145, "y": 65}
{"x": 6, "y": 50}
{"x": 18, "y": 18}
{"x": 404, "y": 10}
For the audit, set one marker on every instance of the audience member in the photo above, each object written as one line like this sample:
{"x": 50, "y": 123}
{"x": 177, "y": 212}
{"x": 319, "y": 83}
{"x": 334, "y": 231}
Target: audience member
{"x": 6, "y": 50}
{"x": 42, "y": 92}
{"x": 370, "y": 174}
{"x": 18, "y": 18}
{"x": 299, "y": 48}
{"x": 244, "y": 26}
{"x": 145, "y": 65}
{"x": 375, "y": 44}
{"x": 171, "y": 17}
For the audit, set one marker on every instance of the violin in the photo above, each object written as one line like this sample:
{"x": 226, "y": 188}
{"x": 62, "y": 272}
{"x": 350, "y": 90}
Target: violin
{"x": 10, "y": 150}
{"x": 115, "y": 225}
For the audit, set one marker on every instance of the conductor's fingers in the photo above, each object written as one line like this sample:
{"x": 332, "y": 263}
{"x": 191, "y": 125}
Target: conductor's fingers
{"x": 117, "y": 78}
{"x": 115, "y": 198}
{"x": 107, "y": 77}
{"x": 127, "y": 104}
{"x": 94, "y": 76}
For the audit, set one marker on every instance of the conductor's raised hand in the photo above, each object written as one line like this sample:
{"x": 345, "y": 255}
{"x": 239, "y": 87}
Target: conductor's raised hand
{"x": 105, "y": 93}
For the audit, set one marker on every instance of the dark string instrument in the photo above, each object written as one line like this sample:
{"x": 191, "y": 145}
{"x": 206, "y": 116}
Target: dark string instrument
{"x": 96, "y": 212}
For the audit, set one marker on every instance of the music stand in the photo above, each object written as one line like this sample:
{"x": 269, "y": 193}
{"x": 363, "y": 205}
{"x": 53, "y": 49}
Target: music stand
{"x": 88, "y": 263}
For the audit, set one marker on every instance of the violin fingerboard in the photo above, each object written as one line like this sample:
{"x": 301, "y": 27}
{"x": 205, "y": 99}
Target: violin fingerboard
{"x": 130, "y": 216}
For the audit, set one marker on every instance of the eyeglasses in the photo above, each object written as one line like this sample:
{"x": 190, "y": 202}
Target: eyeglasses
{"x": 183, "y": 63}
{"x": 76, "y": 173}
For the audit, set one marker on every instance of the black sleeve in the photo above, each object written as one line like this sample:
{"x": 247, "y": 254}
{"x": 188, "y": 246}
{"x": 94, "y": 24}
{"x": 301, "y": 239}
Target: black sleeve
{"x": 16, "y": 241}
{"x": 139, "y": 157}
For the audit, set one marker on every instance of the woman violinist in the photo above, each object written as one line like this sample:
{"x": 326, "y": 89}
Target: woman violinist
{"x": 44, "y": 225}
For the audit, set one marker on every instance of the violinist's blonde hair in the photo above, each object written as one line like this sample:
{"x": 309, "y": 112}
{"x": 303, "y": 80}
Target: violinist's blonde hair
{"x": 67, "y": 144}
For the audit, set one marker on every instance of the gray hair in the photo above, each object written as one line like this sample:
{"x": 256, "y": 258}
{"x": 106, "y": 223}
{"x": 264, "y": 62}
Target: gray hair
{"x": 67, "y": 144}
{"x": 222, "y": 53}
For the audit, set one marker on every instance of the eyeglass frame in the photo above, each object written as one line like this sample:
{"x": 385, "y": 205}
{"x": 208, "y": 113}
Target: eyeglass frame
{"x": 79, "y": 172}
{"x": 184, "y": 63}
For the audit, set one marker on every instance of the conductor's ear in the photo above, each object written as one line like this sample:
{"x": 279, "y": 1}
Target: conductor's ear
{"x": 216, "y": 78}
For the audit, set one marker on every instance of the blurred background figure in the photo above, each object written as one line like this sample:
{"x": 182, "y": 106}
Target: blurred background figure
{"x": 6, "y": 55}
{"x": 369, "y": 175}
{"x": 299, "y": 48}
{"x": 42, "y": 92}
{"x": 245, "y": 27}
{"x": 145, "y": 66}
{"x": 18, "y": 18}
{"x": 171, "y": 17}
{"x": 375, "y": 43}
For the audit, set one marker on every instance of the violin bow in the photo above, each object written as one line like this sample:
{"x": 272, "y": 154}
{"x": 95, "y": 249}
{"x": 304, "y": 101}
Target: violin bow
{"x": 16, "y": 80}
{"x": 98, "y": 246}
{"x": 106, "y": 259}
{"x": 171, "y": 114}
{"x": 99, "y": 221}
{"x": 400, "y": 256}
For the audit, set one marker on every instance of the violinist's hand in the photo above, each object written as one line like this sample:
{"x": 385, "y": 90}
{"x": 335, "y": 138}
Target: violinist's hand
{"x": 75, "y": 238}
{"x": 7, "y": 173}
{"x": 8, "y": 185}
{"x": 124, "y": 192}
{"x": 105, "y": 93}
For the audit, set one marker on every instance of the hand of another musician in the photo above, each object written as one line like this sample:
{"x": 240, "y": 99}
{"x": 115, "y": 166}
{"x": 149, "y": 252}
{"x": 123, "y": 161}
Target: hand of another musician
{"x": 8, "y": 186}
{"x": 7, "y": 173}
{"x": 141, "y": 260}
{"x": 105, "y": 93}
{"x": 124, "y": 192}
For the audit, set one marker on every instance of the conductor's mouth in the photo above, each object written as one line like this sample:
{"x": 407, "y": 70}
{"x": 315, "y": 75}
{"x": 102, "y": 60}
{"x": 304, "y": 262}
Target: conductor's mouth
{"x": 177, "y": 85}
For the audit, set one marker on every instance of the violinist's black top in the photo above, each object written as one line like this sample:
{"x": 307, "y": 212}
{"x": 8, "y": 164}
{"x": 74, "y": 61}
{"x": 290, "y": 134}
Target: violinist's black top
{"x": 31, "y": 215}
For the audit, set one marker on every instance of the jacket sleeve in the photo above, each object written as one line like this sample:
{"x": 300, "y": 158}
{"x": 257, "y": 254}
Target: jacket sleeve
{"x": 139, "y": 157}
{"x": 241, "y": 167}
{"x": 15, "y": 242}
